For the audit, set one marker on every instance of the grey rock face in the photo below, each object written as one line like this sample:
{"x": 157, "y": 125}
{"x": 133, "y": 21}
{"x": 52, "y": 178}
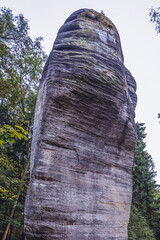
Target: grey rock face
{"x": 84, "y": 136}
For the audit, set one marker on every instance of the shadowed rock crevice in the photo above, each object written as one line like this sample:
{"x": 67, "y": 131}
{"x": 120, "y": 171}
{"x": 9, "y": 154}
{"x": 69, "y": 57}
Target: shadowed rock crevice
{"x": 84, "y": 136}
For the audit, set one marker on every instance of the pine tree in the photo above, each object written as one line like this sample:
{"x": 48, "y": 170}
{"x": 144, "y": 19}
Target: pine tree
{"x": 146, "y": 196}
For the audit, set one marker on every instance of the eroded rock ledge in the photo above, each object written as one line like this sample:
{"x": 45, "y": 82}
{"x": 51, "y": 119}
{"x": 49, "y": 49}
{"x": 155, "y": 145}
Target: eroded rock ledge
{"x": 84, "y": 136}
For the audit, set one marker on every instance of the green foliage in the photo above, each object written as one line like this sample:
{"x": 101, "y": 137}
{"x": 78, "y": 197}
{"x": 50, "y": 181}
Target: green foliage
{"x": 21, "y": 64}
{"x": 143, "y": 174}
{"x": 10, "y": 174}
{"x": 146, "y": 195}
{"x": 8, "y": 135}
{"x": 138, "y": 227}
{"x": 9, "y": 169}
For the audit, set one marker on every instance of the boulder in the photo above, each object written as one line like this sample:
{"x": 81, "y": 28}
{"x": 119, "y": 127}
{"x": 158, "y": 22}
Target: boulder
{"x": 84, "y": 136}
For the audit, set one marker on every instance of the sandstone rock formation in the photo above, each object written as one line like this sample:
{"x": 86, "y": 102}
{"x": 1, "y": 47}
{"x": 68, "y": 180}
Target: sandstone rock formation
{"x": 84, "y": 136}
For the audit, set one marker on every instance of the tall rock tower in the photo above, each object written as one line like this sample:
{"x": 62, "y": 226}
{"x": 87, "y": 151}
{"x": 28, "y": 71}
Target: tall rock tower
{"x": 84, "y": 136}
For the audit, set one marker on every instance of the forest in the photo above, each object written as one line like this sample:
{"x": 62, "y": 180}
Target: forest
{"x": 21, "y": 64}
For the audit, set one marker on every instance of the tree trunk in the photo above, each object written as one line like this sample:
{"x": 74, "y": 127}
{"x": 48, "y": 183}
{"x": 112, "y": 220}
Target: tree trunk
{"x": 16, "y": 200}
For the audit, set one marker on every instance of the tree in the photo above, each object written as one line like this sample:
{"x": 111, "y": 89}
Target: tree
{"x": 138, "y": 227}
{"x": 21, "y": 64}
{"x": 10, "y": 183}
{"x": 154, "y": 14}
{"x": 146, "y": 196}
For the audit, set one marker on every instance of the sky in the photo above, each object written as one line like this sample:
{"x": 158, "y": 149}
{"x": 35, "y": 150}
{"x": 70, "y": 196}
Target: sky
{"x": 140, "y": 45}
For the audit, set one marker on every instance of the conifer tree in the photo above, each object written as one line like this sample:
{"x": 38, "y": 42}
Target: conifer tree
{"x": 146, "y": 196}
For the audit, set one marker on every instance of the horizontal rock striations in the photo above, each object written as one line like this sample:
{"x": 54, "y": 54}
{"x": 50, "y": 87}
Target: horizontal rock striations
{"x": 84, "y": 136}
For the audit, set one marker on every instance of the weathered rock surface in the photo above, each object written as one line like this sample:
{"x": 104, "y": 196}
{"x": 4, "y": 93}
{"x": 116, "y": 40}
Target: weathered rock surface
{"x": 84, "y": 136}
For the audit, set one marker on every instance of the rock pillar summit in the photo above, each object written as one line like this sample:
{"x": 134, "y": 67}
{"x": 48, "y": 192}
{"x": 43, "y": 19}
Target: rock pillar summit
{"x": 84, "y": 136}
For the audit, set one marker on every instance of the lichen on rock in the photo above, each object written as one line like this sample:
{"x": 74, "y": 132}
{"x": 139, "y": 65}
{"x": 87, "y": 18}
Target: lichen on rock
{"x": 84, "y": 136}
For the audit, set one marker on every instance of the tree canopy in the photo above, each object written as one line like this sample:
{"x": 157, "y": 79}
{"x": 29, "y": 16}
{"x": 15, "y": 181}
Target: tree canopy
{"x": 21, "y": 64}
{"x": 154, "y": 14}
{"x": 21, "y": 61}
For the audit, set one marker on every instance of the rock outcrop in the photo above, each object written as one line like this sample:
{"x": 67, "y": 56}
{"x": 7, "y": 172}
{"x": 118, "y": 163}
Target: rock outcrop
{"x": 84, "y": 136}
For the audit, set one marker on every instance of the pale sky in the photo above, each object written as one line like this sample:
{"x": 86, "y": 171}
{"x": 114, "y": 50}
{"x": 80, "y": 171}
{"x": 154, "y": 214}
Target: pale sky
{"x": 140, "y": 44}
